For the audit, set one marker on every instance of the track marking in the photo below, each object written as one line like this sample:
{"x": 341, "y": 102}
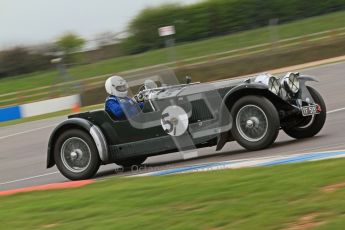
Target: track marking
{"x": 28, "y": 131}
{"x": 46, "y": 187}
{"x": 336, "y": 110}
{"x": 49, "y": 126}
{"x": 251, "y": 162}
{"x": 246, "y": 159}
{"x": 28, "y": 178}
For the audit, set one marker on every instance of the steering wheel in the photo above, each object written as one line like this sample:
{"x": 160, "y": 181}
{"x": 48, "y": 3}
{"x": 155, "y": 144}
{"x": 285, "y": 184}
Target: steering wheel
{"x": 148, "y": 84}
{"x": 139, "y": 97}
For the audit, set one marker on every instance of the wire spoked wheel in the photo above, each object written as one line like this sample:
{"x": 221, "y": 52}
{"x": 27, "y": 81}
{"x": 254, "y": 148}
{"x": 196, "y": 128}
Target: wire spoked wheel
{"x": 251, "y": 122}
{"x": 75, "y": 154}
{"x": 257, "y": 122}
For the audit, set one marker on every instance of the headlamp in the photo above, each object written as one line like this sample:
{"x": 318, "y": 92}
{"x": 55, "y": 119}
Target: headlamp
{"x": 291, "y": 83}
{"x": 272, "y": 82}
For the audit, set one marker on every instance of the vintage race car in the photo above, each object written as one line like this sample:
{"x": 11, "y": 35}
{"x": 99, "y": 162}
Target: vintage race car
{"x": 185, "y": 117}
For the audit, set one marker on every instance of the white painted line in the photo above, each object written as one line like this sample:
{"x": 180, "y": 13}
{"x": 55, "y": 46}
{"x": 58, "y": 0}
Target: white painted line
{"x": 28, "y": 131}
{"x": 336, "y": 110}
{"x": 28, "y": 178}
{"x": 49, "y": 126}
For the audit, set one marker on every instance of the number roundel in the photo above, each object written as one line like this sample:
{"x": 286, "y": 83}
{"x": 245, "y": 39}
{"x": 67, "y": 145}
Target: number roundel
{"x": 174, "y": 120}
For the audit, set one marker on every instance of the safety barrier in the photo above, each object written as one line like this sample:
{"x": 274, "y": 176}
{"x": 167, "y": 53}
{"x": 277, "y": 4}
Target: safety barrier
{"x": 10, "y": 113}
{"x": 39, "y": 108}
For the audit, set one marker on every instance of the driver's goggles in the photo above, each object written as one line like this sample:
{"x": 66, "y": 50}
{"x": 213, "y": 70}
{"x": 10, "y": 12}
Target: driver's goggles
{"x": 121, "y": 88}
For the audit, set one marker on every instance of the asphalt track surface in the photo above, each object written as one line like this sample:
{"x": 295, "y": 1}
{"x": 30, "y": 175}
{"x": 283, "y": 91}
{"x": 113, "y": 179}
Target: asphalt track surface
{"x": 23, "y": 147}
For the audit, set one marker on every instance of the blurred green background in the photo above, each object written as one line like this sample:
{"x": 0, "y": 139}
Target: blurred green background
{"x": 214, "y": 40}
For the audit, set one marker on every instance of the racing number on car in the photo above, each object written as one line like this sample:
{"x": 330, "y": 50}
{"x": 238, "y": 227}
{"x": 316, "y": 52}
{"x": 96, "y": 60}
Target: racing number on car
{"x": 167, "y": 123}
{"x": 174, "y": 120}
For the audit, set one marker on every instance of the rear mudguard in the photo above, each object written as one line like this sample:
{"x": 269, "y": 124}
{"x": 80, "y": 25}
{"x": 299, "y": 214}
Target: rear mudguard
{"x": 82, "y": 124}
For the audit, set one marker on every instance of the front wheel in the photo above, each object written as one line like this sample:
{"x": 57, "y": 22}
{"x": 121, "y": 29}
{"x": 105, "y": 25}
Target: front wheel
{"x": 76, "y": 155}
{"x": 311, "y": 125}
{"x": 256, "y": 122}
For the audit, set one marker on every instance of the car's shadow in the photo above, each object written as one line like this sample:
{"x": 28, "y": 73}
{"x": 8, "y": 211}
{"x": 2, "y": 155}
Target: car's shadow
{"x": 226, "y": 153}
{"x": 208, "y": 157}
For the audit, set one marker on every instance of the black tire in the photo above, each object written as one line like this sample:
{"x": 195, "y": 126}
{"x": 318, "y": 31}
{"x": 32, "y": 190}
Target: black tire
{"x": 128, "y": 163}
{"x": 316, "y": 124}
{"x": 84, "y": 141}
{"x": 263, "y": 121}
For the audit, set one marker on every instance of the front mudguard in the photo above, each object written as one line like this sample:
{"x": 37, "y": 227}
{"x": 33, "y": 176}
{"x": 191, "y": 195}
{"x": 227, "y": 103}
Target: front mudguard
{"x": 242, "y": 90}
{"x": 304, "y": 94}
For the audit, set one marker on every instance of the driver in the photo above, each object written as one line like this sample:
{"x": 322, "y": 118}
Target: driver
{"x": 118, "y": 104}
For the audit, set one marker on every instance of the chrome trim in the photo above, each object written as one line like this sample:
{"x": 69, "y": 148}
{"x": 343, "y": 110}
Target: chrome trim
{"x": 309, "y": 123}
{"x": 100, "y": 142}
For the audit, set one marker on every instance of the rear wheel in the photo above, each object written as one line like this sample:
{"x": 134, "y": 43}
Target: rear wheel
{"x": 313, "y": 124}
{"x": 76, "y": 155}
{"x": 256, "y": 122}
{"x": 127, "y": 163}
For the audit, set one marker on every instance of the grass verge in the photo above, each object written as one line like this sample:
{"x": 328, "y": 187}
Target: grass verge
{"x": 281, "y": 197}
{"x": 190, "y": 50}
